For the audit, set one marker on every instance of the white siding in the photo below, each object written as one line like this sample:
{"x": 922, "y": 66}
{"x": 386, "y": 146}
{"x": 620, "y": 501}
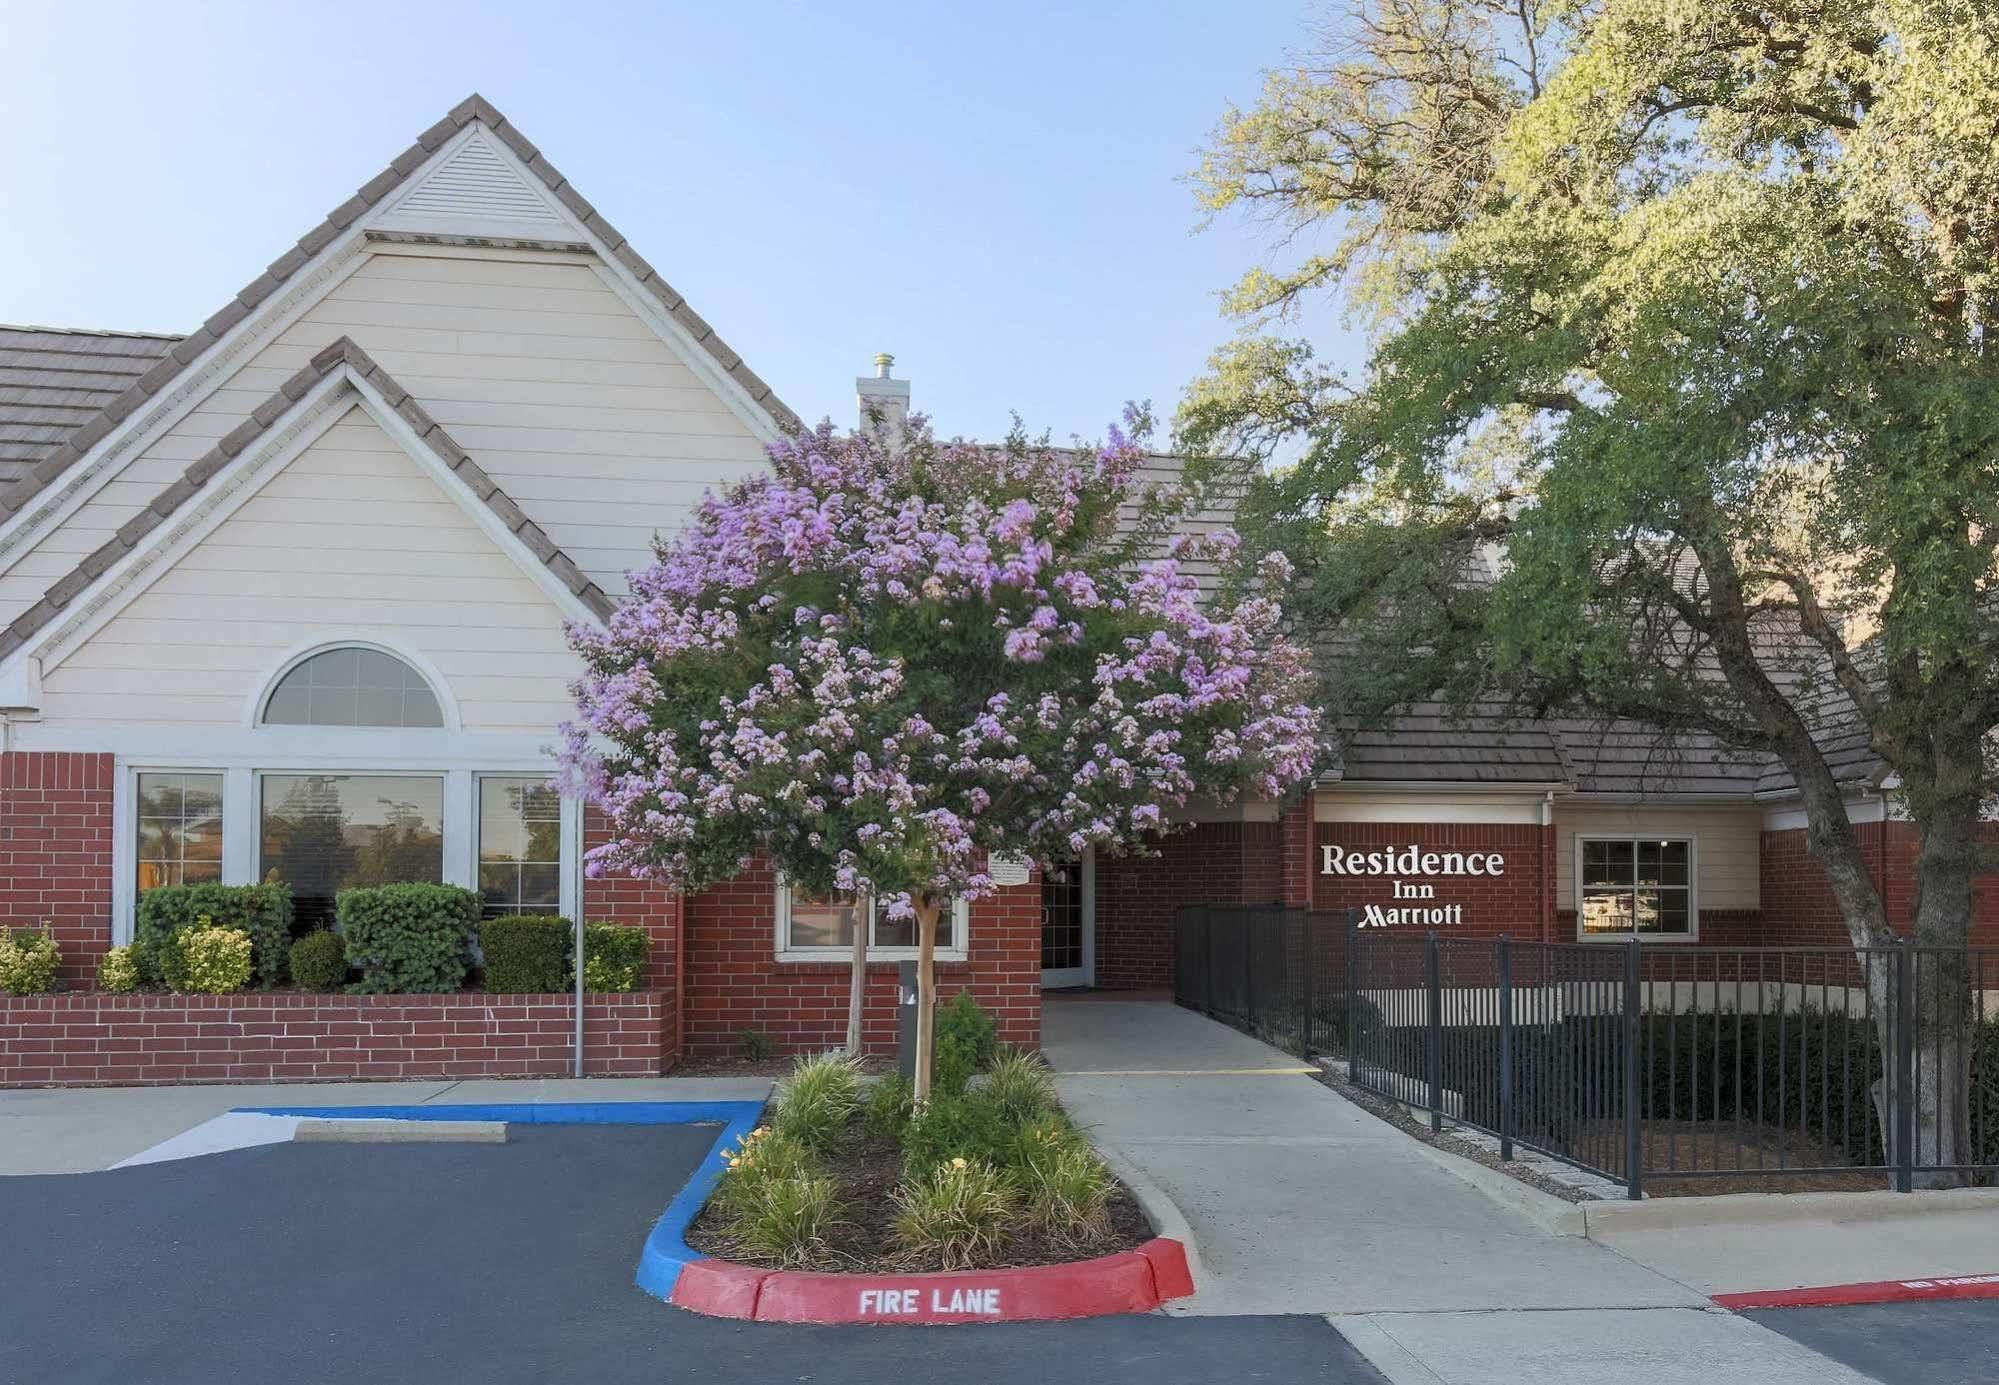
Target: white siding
{"x": 351, "y": 539}
{"x": 1729, "y": 846}
{"x": 594, "y": 425}
{"x": 1466, "y": 806}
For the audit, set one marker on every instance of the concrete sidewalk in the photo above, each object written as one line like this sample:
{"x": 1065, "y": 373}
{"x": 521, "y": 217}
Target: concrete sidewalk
{"x": 1301, "y": 1202}
{"x": 83, "y": 1129}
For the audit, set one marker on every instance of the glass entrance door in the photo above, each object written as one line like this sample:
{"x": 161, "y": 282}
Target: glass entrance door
{"x": 1068, "y": 924}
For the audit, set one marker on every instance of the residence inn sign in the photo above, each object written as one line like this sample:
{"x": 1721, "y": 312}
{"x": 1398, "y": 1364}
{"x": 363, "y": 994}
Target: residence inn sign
{"x": 1406, "y": 868}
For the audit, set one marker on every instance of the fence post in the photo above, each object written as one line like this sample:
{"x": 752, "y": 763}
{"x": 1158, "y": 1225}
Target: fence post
{"x": 1433, "y": 1036}
{"x": 1307, "y": 960}
{"x": 1634, "y": 1129}
{"x": 1249, "y": 921}
{"x": 1905, "y": 1067}
{"x": 1353, "y": 994}
{"x": 1506, "y": 1115}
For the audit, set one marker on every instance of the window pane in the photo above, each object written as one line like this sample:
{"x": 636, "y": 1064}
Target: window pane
{"x": 902, "y": 932}
{"x": 323, "y": 833}
{"x": 1662, "y": 863}
{"x": 179, "y": 829}
{"x": 520, "y": 845}
{"x": 1607, "y": 863}
{"x": 1662, "y": 911}
{"x": 821, "y": 922}
{"x": 353, "y": 687}
{"x": 1606, "y": 911}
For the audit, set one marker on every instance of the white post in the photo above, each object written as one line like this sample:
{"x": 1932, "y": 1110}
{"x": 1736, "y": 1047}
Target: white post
{"x": 579, "y": 992}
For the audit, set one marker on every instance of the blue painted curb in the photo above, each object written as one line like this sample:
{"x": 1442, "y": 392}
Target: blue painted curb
{"x": 666, "y": 1251}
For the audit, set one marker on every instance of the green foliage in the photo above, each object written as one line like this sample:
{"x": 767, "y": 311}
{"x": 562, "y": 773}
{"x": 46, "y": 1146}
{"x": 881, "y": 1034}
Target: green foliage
{"x": 117, "y": 973}
{"x": 1066, "y": 1188}
{"x": 1021, "y": 1085}
{"x": 614, "y": 956}
{"x": 319, "y": 961}
{"x": 890, "y": 1104}
{"x": 213, "y": 960}
{"x": 966, "y": 1040}
{"x": 817, "y": 1100}
{"x": 264, "y": 912}
{"x": 956, "y": 1215}
{"x": 970, "y": 1125}
{"x": 409, "y": 938}
{"x": 28, "y": 961}
{"x": 525, "y": 953}
{"x": 1688, "y": 306}
{"x": 774, "y": 1202}
{"x": 757, "y": 1045}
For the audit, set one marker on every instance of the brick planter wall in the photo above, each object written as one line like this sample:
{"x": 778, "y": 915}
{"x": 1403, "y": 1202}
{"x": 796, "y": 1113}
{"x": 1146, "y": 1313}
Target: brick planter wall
{"x": 89, "y": 1038}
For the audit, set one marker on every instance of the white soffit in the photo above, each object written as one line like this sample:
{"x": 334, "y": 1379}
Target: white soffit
{"x": 477, "y": 191}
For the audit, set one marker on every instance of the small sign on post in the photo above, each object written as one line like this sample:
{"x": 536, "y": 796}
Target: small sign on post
{"x": 905, "y": 1020}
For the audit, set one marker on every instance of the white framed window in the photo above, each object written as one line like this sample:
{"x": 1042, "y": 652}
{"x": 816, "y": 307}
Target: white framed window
{"x": 822, "y": 930}
{"x": 1637, "y": 887}
{"x": 179, "y": 834}
{"x": 520, "y": 845}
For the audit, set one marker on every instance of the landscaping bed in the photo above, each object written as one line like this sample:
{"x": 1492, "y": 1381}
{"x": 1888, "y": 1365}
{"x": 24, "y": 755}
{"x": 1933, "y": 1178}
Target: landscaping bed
{"x": 849, "y": 1176}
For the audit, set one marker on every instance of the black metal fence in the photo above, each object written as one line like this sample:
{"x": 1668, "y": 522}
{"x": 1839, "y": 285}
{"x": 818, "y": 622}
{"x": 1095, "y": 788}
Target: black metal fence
{"x": 1639, "y": 1062}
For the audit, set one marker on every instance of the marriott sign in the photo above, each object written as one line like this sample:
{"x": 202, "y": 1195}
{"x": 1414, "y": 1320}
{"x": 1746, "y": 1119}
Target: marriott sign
{"x": 1414, "y": 904}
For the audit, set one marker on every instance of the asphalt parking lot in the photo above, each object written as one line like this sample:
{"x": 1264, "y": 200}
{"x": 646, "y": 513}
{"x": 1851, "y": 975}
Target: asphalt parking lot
{"x": 1901, "y": 1343}
{"x": 490, "y": 1263}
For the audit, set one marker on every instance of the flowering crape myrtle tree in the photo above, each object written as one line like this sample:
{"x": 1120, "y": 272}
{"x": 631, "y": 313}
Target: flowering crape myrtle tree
{"x": 888, "y": 659}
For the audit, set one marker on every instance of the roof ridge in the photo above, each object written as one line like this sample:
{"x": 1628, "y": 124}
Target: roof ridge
{"x": 343, "y": 351}
{"x": 15, "y": 497}
{"x": 87, "y": 331}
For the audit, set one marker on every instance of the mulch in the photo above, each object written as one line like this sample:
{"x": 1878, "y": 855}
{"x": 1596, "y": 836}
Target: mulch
{"x": 867, "y": 1170}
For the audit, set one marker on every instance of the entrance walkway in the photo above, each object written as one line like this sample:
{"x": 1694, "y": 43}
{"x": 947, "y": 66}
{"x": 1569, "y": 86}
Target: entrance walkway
{"x": 1300, "y": 1202}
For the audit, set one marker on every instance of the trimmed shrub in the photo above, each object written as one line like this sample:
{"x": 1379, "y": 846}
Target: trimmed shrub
{"x": 968, "y": 1126}
{"x": 408, "y": 939}
{"x": 890, "y": 1104}
{"x": 319, "y": 961}
{"x": 213, "y": 960}
{"x": 815, "y": 1103}
{"x": 263, "y": 912}
{"x": 525, "y": 952}
{"x": 117, "y": 972}
{"x": 614, "y": 956}
{"x": 1021, "y": 1085}
{"x": 966, "y": 1042}
{"x": 28, "y": 961}
{"x": 1066, "y": 1186}
{"x": 956, "y": 1216}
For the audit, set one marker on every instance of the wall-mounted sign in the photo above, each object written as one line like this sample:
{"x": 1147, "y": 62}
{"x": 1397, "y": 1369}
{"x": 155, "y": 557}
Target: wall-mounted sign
{"x": 1414, "y": 899}
{"x": 1007, "y": 870}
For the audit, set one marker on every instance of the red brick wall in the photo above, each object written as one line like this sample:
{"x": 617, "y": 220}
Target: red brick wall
{"x": 55, "y": 851}
{"x": 1798, "y": 903}
{"x": 92, "y": 1039}
{"x": 621, "y": 899}
{"x": 1515, "y": 903}
{"x": 735, "y": 982}
{"x": 1208, "y": 863}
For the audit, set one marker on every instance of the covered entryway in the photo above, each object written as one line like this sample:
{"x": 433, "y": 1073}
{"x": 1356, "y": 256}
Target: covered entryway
{"x": 1069, "y": 925}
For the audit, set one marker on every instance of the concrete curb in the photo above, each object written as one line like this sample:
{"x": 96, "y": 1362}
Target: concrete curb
{"x": 1132, "y": 1281}
{"x": 1736, "y": 1209}
{"x": 1168, "y": 1221}
{"x": 1962, "y": 1286}
{"x": 386, "y": 1132}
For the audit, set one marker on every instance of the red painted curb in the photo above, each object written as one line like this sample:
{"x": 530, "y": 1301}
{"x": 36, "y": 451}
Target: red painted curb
{"x": 1879, "y": 1291}
{"x": 1133, "y": 1281}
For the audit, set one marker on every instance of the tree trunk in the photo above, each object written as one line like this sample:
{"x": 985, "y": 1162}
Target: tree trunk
{"x": 857, "y": 985}
{"x": 1943, "y": 983}
{"x": 926, "y": 992}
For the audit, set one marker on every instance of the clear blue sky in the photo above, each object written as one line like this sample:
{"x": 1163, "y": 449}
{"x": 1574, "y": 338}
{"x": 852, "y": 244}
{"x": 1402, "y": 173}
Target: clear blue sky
{"x": 990, "y": 191}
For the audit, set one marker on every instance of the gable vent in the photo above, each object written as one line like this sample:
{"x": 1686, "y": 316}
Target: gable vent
{"x": 477, "y": 183}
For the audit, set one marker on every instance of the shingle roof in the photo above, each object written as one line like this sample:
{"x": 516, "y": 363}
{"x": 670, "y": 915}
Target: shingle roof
{"x": 343, "y": 352}
{"x": 1431, "y": 742}
{"x": 16, "y": 494}
{"x": 54, "y": 380}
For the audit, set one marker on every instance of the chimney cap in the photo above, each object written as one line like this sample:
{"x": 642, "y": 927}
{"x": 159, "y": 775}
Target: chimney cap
{"x": 883, "y": 360}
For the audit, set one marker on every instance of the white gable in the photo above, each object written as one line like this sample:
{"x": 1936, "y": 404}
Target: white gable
{"x": 477, "y": 190}
{"x": 350, "y": 540}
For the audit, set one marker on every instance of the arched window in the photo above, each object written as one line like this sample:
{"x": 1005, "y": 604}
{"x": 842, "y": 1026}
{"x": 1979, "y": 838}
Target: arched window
{"x": 352, "y": 686}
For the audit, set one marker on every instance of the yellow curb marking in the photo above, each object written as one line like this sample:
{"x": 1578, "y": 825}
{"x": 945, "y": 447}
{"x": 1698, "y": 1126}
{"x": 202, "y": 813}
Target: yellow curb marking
{"x": 1186, "y": 1072}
